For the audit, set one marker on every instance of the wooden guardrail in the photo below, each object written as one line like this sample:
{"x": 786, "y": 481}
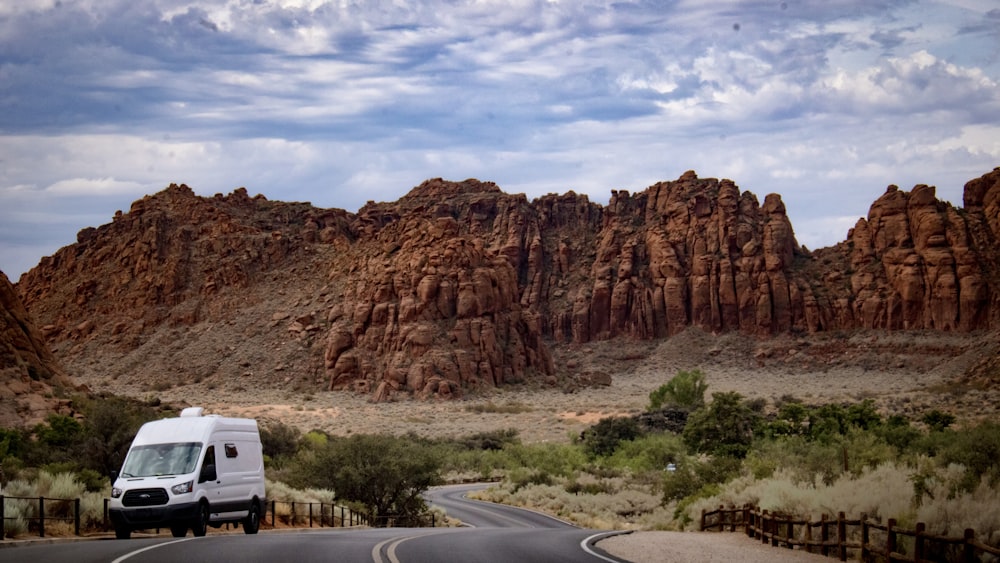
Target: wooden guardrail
{"x": 861, "y": 538}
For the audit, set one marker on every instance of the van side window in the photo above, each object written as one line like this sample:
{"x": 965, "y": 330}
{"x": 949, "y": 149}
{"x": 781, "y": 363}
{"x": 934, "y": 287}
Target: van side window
{"x": 231, "y": 450}
{"x": 208, "y": 472}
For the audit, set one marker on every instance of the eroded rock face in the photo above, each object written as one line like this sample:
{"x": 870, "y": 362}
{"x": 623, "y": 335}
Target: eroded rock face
{"x": 28, "y": 371}
{"x": 459, "y": 286}
{"x": 436, "y": 303}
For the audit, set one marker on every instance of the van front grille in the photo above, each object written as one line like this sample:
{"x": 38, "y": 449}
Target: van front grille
{"x": 145, "y": 497}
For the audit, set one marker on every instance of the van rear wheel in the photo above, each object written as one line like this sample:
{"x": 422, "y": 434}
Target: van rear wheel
{"x": 200, "y": 525}
{"x": 252, "y": 522}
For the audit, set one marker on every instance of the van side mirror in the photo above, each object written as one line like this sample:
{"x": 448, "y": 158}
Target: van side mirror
{"x": 114, "y": 476}
{"x": 207, "y": 473}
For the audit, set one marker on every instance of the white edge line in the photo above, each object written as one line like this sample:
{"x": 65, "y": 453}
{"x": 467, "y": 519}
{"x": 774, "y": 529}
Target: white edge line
{"x": 585, "y": 544}
{"x": 147, "y": 548}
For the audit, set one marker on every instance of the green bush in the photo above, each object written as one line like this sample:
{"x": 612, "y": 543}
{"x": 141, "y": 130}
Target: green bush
{"x": 685, "y": 390}
{"x": 726, "y": 427}
{"x": 978, "y": 449}
{"x": 279, "y": 441}
{"x": 387, "y": 474}
{"x": 937, "y": 421}
{"x": 603, "y": 438}
{"x": 651, "y": 452}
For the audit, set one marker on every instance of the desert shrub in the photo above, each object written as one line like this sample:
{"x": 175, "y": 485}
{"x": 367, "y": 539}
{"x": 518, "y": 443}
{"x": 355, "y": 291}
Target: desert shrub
{"x": 56, "y": 440}
{"x": 387, "y": 474}
{"x": 279, "y": 442}
{"x": 560, "y": 460}
{"x": 109, "y": 425}
{"x": 314, "y": 440}
{"x": 523, "y": 476}
{"x": 693, "y": 475}
{"x": 506, "y": 408}
{"x": 651, "y": 452}
{"x": 603, "y": 438}
{"x": 15, "y": 520}
{"x": 686, "y": 390}
{"x": 978, "y": 450}
{"x": 725, "y": 427}
{"x": 899, "y": 433}
{"x": 490, "y": 440}
{"x": 937, "y": 421}
{"x": 12, "y": 443}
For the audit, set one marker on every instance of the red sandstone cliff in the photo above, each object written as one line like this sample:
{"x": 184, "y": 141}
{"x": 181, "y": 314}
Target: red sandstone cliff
{"x": 30, "y": 376}
{"x": 459, "y": 285}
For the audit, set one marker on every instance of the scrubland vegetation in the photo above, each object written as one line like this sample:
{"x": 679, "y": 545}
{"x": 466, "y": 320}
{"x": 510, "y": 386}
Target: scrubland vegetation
{"x": 784, "y": 455}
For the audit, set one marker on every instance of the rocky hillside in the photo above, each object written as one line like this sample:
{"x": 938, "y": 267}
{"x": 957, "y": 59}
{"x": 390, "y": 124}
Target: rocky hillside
{"x": 30, "y": 377}
{"x": 459, "y": 286}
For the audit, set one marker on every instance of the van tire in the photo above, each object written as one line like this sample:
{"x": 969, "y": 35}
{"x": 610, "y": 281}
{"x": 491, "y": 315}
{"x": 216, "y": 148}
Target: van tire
{"x": 123, "y": 532}
{"x": 178, "y": 530}
{"x": 252, "y": 522}
{"x": 200, "y": 525}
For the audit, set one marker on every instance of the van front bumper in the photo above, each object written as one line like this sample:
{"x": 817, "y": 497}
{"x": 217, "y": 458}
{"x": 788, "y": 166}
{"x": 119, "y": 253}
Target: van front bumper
{"x": 153, "y": 516}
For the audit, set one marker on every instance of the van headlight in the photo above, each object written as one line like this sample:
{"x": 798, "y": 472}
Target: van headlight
{"x": 182, "y": 488}
{"x": 116, "y": 492}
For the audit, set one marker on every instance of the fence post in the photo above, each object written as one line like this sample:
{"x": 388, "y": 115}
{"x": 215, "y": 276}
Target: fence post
{"x": 890, "y": 539}
{"x": 293, "y": 514}
{"x": 76, "y": 516}
{"x": 791, "y": 532}
{"x": 41, "y": 517}
{"x": 3, "y": 532}
{"x": 310, "y": 515}
{"x": 702, "y": 527}
{"x": 865, "y": 532}
{"x": 969, "y": 550}
{"x": 763, "y": 526}
{"x": 272, "y": 512}
{"x": 809, "y": 536}
{"x": 824, "y": 535}
{"x": 918, "y": 542}
{"x": 842, "y": 535}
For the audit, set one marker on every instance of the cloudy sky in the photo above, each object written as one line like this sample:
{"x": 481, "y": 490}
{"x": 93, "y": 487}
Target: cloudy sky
{"x": 340, "y": 102}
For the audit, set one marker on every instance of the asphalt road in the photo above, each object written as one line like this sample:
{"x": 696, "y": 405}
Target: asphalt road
{"x": 494, "y": 534}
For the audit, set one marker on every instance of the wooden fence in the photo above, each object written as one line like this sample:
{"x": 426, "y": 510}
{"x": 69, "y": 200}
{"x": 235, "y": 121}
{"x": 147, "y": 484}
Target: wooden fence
{"x": 36, "y": 511}
{"x": 60, "y": 509}
{"x": 862, "y": 539}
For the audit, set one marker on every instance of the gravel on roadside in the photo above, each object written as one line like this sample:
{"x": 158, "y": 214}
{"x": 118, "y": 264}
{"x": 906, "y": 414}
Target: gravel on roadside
{"x": 699, "y": 547}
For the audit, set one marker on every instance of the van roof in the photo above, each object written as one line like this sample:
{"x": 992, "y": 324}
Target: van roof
{"x": 193, "y": 429}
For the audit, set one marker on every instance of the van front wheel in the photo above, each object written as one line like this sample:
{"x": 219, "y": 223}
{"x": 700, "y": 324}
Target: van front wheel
{"x": 200, "y": 526}
{"x": 252, "y": 522}
{"x": 179, "y": 530}
{"x": 123, "y": 532}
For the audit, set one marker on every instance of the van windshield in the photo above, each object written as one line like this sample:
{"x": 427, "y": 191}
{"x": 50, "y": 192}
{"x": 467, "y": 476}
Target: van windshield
{"x": 154, "y": 460}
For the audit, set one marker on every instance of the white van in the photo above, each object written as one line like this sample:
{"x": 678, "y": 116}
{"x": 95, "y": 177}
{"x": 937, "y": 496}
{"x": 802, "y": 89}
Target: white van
{"x": 193, "y": 471}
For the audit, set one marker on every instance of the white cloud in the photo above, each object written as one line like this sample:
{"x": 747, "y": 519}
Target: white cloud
{"x": 340, "y": 102}
{"x": 94, "y": 186}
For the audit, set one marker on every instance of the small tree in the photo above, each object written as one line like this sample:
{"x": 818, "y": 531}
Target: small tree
{"x": 685, "y": 390}
{"x": 387, "y": 474}
{"x": 110, "y": 424}
{"x": 724, "y": 427}
{"x": 602, "y": 439}
{"x": 279, "y": 441}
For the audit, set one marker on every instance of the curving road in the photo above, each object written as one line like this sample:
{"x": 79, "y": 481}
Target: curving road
{"x": 494, "y": 533}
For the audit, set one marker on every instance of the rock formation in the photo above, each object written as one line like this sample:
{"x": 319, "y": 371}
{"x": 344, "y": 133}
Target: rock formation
{"x": 459, "y": 286}
{"x": 30, "y": 376}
